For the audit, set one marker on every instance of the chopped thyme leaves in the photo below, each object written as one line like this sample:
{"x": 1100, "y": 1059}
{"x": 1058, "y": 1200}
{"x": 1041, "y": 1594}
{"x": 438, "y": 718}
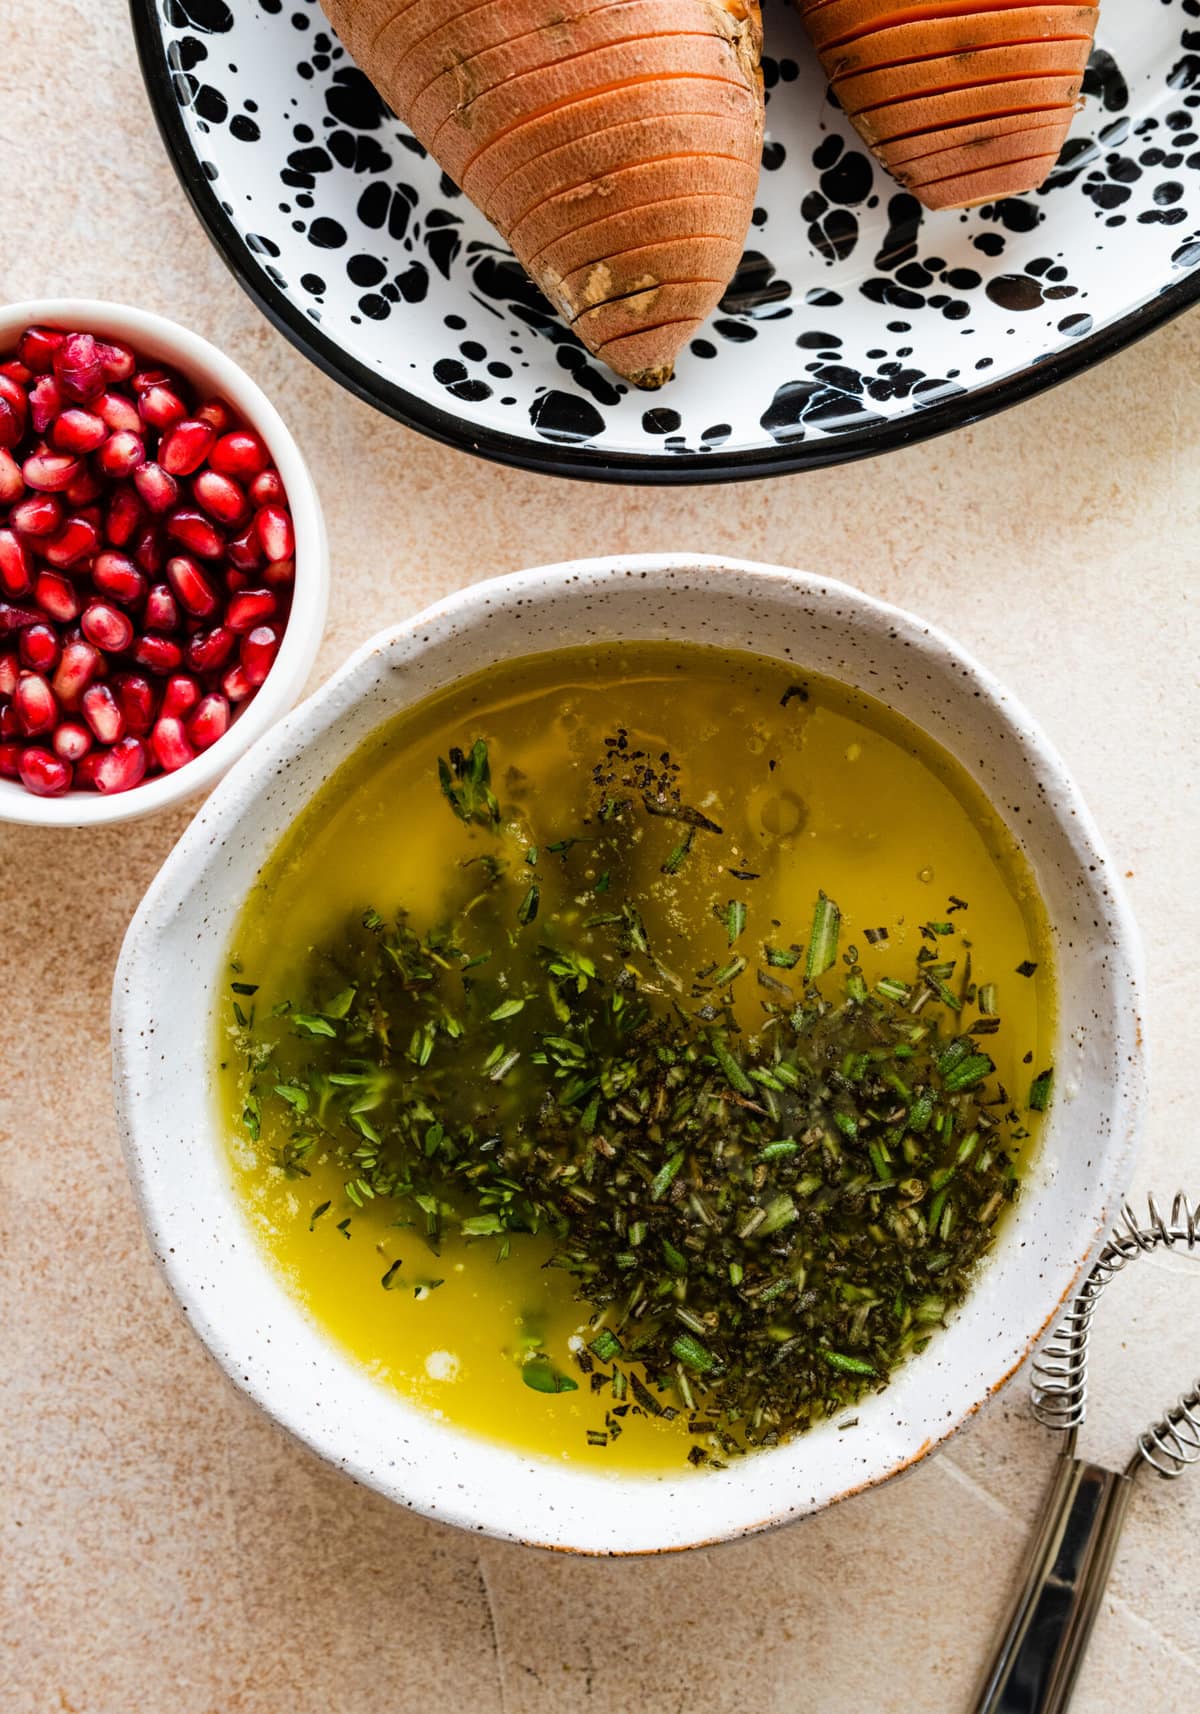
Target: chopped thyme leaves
{"x": 466, "y": 782}
{"x": 680, "y": 854}
{"x": 734, "y": 918}
{"x": 823, "y": 938}
{"x": 760, "y": 1219}
{"x": 782, "y": 957}
{"x": 1040, "y": 1090}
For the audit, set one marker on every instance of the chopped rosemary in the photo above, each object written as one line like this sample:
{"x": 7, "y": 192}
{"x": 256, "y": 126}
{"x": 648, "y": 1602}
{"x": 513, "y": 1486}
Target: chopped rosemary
{"x": 760, "y": 1226}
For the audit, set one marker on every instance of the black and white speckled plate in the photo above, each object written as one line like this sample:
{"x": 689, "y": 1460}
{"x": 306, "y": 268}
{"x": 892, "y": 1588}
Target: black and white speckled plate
{"x": 855, "y": 322}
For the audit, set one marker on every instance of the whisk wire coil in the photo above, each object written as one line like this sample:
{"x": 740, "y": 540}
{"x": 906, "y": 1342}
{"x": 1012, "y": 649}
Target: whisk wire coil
{"x": 1060, "y": 1370}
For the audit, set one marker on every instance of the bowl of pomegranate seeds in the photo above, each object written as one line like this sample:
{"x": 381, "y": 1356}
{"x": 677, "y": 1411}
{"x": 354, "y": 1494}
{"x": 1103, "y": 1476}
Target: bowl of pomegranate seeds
{"x": 163, "y": 563}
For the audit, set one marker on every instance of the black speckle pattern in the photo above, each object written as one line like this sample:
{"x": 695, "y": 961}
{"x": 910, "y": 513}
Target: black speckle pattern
{"x": 852, "y": 309}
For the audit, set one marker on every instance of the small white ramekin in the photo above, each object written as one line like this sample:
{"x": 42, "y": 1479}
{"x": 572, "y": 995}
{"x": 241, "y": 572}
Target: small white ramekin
{"x": 215, "y": 375}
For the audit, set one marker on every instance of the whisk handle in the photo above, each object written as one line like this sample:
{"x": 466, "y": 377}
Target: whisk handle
{"x": 1037, "y": 1661}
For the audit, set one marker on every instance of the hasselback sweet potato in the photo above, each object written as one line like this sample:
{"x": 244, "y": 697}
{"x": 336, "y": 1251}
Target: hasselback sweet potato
{"x": 964, "y": 101}
{"x": 615, "y": 144}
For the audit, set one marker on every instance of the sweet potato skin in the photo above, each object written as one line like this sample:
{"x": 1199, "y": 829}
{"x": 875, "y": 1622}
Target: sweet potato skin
{"x": 614, "y": 143}
{"x": 989, "y": 86}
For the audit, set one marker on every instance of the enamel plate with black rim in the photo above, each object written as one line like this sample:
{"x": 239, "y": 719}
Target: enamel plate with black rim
{"x": 856, "y": 322}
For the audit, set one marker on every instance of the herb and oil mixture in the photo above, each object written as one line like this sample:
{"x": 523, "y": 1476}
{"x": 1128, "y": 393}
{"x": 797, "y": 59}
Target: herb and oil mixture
{"x": 630, "y": 1052}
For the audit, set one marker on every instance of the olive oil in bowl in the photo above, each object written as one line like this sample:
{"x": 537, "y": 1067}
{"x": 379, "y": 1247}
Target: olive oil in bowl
{"x": 630, "y": 1052}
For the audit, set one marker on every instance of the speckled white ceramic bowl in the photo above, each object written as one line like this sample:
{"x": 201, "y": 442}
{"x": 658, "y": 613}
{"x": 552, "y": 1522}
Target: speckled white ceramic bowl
{"x": 172, "y": 967}
{"x": 217, "y": 376}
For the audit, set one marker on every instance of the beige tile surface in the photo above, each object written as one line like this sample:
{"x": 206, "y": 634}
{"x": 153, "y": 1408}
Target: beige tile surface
{"x": 166, "y": 1551}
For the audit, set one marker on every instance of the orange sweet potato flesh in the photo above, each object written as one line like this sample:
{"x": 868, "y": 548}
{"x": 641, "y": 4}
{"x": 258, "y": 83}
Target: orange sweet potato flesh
{"x": 615, "y": 144}
{"x": 989, "y": 86}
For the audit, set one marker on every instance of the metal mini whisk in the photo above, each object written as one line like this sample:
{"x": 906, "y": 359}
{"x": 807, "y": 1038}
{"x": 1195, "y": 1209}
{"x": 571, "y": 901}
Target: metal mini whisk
{"x": 1038, "y": 1658}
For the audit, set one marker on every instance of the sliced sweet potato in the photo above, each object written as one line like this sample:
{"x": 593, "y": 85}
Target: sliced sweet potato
{"x": 698, "y": 101}
{"x": 895, "y": 155}
{"x": 989, "y": 84}
{"x": 958, "y": 106}
{"x": 612, "y": 235}
{"x": 589, "y": 128}
{"x": 867, "y": 91}
{"x": 464, "y": 80}
{"x": 587, "y": 163}
{"x": 631, "y": 188}
{"x": 986, "y": 152}
{"x": 989, "y": 184}
{"x": 957, "y": 34}
{"x": 605, "y": 278}
{"x": 656, "y": 304}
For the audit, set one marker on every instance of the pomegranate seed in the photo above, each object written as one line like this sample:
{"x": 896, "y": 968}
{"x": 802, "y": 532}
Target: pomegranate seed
{"x": 185, "y": 446}
{"x": 77, "y": 538}
{"x": 121, "y": 454}
{"x": 36, "y": 348}
{"x": 13, "y": 411}
{"x": 197, "y": 533}
{"x": 274, "y": 526}
{"x": 216, "y": 414}
{"x": 10, "y": 725}
{"x": 71, "y": 740}
{"x": 159, "y": 655}
{"x": 34, "y": 702}
{"x": 117, "y": 577}
{"x": 44, "y": 773}
{"x": 158, "y": 489}
{"x": 138, "y": 702}
{"x": 118, "y": 413}
{"x": 86, "y": 487}
{"x": 80, "y": 664}
{"x": 209, "y": 722}
{"x": 57, "y": 597}
{"x": 85, "y": 770}
{"x": 169, "y": 741}
{"x": 16, "y": 566}
{"x": 77, "y": 366}
{"x": 162, "y": 610}
{"x": 107, "y": 627}
{"x": 160, "y": 406}
{"x": 78, "y": 430}
{"x": 249, "y": 608}
{"x": 103, "y": 714}
{"x": 144, "y": 379}
{"x": 191, "y": 586}
{"x": 12, "y": 483}
{"x": 39, "y": 515}
{"x": 49, "y": 472}
{"x": 17, "y": 371}
{"x": 148, "y": 551}
{"x": 121, "y": 768}
{"x": 280, "y": 573}
{"x": 267, "y": 489}
{"x": 181, "y": 694}
{"x": 245, "y": 551}
{"x": 208, "y": 651}
{"x": 45, "y": 402}
{"x": 9, "y": 673}
{"x": 220, "y": 496}
{"x": 236, "y": 685}
{"x": 10, "y": 761}
{"x": 258, "y": 651}
{"x": 14, "y": 618}
{"x": 239, "y": 453}
{"x": 117, "y": 361}
{"x": 39, "y": 648}
{"x": 125, "y": 513}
